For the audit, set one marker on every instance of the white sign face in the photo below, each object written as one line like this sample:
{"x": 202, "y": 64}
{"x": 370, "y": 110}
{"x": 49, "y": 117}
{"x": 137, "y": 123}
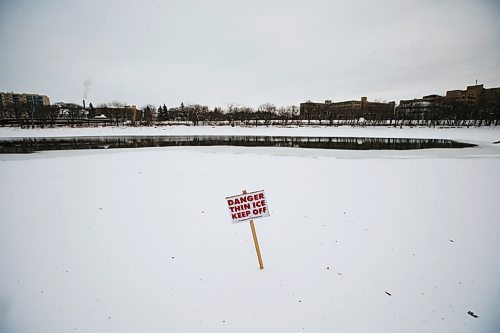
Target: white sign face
{"x": 247, "y": 206}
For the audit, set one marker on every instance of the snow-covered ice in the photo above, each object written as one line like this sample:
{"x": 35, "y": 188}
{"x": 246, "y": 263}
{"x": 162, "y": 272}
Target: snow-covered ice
{"x": 357, "y": 241}
{"x": 483, "y": 134}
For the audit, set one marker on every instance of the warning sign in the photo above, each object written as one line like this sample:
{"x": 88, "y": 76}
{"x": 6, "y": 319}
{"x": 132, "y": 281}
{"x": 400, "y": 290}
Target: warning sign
{"x": 247, "y": 206}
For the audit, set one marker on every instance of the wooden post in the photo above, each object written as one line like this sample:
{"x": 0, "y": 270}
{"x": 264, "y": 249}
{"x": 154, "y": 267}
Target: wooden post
{"x": 255, "y": 241}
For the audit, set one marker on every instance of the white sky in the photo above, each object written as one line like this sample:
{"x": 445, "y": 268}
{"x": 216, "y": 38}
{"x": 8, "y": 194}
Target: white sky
{"x": 246, "y": 52}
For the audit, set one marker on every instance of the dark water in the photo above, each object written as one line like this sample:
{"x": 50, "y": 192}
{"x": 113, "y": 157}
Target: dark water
{"x": 30, "y": 145}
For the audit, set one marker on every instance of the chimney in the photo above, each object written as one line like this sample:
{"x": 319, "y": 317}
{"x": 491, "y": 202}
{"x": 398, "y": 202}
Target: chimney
{"x": 84, "y": 104}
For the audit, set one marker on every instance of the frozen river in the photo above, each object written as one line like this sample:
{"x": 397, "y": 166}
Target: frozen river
{"x": 135, "y": 240}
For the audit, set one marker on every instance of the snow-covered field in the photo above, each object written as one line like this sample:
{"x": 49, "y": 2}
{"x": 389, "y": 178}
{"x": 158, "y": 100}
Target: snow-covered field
{"x": 357, "y": 241}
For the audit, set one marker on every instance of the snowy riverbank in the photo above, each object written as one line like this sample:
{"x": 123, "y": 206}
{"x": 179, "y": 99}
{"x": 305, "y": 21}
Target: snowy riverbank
{"x": 482, "y": 134}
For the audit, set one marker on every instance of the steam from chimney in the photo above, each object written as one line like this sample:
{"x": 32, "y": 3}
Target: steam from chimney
{"x": 86, "y": 87}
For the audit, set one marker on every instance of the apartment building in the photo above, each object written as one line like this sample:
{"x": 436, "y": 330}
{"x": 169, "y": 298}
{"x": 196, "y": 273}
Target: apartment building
{"x": 474, "y": 95}
{"x": 321, "y": 110}
{"x": 11, "y": 99}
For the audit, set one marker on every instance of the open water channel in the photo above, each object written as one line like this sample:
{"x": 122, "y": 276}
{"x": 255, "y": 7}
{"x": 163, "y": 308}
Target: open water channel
{"x": 30, "y": 145}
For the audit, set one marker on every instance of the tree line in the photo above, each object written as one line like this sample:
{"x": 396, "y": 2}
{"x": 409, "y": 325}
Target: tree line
{"x": 445, "y": 113}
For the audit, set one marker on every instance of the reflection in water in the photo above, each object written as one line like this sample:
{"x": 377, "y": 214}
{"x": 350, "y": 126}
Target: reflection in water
{"x": 29, "y": 145}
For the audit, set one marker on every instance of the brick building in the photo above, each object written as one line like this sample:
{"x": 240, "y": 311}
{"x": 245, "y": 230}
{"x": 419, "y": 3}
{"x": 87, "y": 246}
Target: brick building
{"x": 331, "y": 109}
{"x": 10, "y": 99}
{"x": 475, "y": 95}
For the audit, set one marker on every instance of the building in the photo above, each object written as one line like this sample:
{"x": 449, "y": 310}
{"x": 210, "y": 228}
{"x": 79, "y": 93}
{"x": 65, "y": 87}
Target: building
{"x": 10, "y": 99}
{"x": 315, "y": 110}
{"x": 119, "y": 113}
{"x": 351, "y": 105}
{"x": 473, "y": 98}
{"x": 475, "y": 95}
{"x": 339, "y": 109}
{"x": 420, "y": 106}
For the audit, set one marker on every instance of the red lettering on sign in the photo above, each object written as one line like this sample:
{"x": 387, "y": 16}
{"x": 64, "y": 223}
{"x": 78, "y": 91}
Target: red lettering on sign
{"x": 241, "y": 215}
{"x": 247, "y": 206}
{"x": 259, "y": 210}
{"x": 260, "y": 203}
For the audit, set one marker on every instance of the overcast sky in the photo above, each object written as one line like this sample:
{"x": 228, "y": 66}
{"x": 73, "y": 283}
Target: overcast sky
{"x": 246, "y": 52}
